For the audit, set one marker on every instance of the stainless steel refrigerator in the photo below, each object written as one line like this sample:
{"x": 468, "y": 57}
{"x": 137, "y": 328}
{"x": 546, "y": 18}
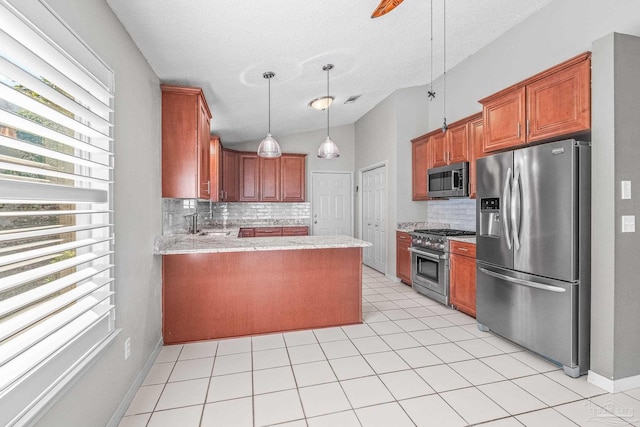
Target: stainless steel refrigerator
{"x": 533, "y": 249}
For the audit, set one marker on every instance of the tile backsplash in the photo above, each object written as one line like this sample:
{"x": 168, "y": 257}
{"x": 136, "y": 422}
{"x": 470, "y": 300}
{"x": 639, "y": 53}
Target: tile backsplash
{"x": 458, "y": 213}
{"x": 231, "y": 214}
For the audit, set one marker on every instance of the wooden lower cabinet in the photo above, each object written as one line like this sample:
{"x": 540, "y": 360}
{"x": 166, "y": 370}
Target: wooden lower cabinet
{"x": 403, "y": 257}
{"x": 295, "y": 231}
{"x": 274, "y": 231}
{"x": 268, "y": 232}
{"x": 247, "y": 232}
{"x": 462, "y": 277}
{"x": 217, "y": 295}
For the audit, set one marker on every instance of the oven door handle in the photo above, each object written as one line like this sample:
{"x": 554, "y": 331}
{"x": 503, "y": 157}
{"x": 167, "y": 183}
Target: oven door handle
{"x": 427, "y": 254}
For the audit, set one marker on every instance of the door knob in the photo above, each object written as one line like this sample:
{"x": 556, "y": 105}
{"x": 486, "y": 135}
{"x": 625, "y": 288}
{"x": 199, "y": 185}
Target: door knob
{"x": 315, "y": 222}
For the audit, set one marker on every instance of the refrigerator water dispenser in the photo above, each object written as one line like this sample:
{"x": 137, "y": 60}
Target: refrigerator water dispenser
{"x": 490, "y": 223}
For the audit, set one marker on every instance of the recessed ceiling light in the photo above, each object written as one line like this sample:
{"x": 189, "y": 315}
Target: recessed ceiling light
{"x": 321, "y": 103}
{"x": 352, "y": 99}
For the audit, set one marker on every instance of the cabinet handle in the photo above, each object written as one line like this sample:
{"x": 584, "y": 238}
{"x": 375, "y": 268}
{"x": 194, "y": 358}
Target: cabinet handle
{"x": 462, "y": 249}
{"x": 518, "y": 129}
{"x": 527, "y": 127}
{"x": 208, "y": 187}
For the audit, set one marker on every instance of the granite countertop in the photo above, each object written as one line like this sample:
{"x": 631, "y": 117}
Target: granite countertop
{"x": 466, "y": 239}
{"x": 190, "y": 243}
{"x": 408, "y": 227}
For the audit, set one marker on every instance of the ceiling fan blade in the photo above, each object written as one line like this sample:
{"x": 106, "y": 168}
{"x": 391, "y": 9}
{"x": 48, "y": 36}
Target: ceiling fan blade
{"x": 385, "y": 6}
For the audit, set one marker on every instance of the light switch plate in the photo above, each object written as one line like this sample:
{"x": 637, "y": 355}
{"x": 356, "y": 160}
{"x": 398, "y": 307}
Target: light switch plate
{"x": 628, "y": 223}
{"x": 626, "y": 190}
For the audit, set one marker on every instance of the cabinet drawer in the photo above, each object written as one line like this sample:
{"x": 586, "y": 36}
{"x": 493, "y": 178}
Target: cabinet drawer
{"x": 462, "y": 248}
{"x": 403, "y": 237}
{"x": 268, "y": 231}
{"x": 295, "y": 231}
{"x": 247, "y": 232}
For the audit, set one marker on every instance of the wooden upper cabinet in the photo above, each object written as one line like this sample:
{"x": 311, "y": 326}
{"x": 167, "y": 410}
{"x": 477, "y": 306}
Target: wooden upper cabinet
{"x": 215, "y": 168}
{"x": 560, "y": 104}
{"x": 185, "y": 143}
{"x": 552, "y": 104}
{"x": 269, "y": 179}
{"x": 249, "y": 177}
{"x": 476, "y": 136}
{"x": 504, "y": 120}
{"x": 293, "y": 177}
{"x": 280, "y": 179}
{"x": 458, "y": 143}
{"x": 230, "y": 188}
{"x": 419, "y": 163}
{"x": 439, "y": 149}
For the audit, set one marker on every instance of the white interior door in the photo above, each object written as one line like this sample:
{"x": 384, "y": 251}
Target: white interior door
{"x": 331, "y": 203}
{"x": 373, "y": 217}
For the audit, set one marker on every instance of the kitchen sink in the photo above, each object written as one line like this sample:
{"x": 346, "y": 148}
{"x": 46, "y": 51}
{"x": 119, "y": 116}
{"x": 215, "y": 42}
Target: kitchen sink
{"x": 214, "y": 233}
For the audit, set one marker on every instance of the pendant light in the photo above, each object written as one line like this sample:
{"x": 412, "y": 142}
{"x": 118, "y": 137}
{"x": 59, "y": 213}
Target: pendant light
{"x": 328, "y": 149}
{"x": 269, "y": 147}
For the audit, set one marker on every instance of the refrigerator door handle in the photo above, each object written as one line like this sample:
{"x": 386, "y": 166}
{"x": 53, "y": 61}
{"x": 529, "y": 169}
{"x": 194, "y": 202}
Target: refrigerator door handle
{"x": 516, "y": 212}
{"x": 523, "y": 282}
{"x": 506, "y": 206}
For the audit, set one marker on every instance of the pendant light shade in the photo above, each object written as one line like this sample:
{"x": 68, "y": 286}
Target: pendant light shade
{"x": 328, "y": 149}
{"x": 269, "y": 147}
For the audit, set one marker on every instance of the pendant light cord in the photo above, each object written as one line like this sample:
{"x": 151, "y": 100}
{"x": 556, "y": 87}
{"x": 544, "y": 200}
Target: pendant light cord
{"x": 269, "y": 78}
{"x": 444, "y": 60}
{"x": 431, "y": 62}
{"x": 328, "y": 106}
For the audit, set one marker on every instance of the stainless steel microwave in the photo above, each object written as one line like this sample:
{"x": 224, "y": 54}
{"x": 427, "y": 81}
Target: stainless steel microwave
{"x": 448, "y": 181}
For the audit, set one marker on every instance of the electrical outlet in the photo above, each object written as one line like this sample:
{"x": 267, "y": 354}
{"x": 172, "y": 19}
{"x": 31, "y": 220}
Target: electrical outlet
{"x": 127, "y": 348}
{"x": 625, "y": 190}
{"x": 628, "y": 223}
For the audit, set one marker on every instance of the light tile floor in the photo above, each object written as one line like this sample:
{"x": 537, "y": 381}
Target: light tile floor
{"x": 413, "y": 362}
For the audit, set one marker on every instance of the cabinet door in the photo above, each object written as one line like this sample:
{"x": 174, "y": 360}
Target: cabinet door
{"x": 204, "y": 188}
{"x": 403, "y": 257}
{"x": 419, "y": 163}
{"x": 458, "y": 143}
{"x": 438, "y": 143}
{"x": 475, "y": 150}
{"x": 293, "y": 175}
{"x": 463, "y": 283}
{"x": 504, "y": 120}
{"x": 179, "y": 142}
{"x": 295, "y": 231}
{"x": 215, "y": 168}
{"x": 268, "y": 232}
{"x": 269, "y": 179}
{"x": 560, "y": 104}
{"x": 230, "y": 176}
{"x": 249, "y": 174}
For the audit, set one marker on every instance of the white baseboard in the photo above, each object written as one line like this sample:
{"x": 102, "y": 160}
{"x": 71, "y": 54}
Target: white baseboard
{"x": 613, "y": 386}
{"x": 391, "y": 277}
{"x": 131, "y": 393}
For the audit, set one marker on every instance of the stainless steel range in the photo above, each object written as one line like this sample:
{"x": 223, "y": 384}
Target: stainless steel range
{"x": 430, "y": 261}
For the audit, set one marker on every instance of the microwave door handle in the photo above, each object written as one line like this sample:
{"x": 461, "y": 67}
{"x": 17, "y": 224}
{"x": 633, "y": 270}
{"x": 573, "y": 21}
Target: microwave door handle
{"x": 516, "y": 212}
{"x": 505, "y": 206}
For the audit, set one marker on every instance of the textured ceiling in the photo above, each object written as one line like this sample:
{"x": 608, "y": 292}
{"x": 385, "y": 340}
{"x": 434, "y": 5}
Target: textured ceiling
{"x": 225, "y": 46}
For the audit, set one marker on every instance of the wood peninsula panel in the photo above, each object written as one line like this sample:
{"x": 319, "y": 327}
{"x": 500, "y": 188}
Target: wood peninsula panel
{"x": 218, "y": 295}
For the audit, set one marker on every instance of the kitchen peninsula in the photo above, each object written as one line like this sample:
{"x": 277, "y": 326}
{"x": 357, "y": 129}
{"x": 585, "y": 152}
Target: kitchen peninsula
{"x": 218, "y": 285}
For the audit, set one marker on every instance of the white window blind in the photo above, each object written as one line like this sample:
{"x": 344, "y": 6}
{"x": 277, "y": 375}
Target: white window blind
{"x": 56, "y": 230}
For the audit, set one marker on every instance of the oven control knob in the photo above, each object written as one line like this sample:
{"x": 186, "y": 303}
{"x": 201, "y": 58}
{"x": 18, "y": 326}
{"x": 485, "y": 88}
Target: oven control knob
{"x": 439, "y": 246}
{"x": 428, "y": 243}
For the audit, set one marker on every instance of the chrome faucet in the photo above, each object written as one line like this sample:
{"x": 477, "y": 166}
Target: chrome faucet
{"x": 192, "y": 223}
